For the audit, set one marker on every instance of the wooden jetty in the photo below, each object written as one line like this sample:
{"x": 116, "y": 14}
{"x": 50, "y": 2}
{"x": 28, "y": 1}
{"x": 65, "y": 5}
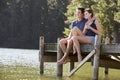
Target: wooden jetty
{"x": 99, "y": 54}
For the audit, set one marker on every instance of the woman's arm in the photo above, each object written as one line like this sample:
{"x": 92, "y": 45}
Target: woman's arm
{"x": 87, "y": 26}
{"x": 85, "y": 29}
{"x": 98, "y": 31}
{"x": 88, "y": 23}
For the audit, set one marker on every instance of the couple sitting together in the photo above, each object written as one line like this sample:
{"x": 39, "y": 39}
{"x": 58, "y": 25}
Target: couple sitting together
{"x": 83, "y": 30}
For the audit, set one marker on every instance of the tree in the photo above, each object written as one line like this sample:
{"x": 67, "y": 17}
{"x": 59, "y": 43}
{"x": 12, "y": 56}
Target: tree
{"x": 22, "y": 22}
{"x": 106, "y": 10}
{"x": 56, "y": 18}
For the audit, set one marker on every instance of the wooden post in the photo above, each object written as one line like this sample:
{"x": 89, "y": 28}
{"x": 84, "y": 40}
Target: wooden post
{"x": 71, "y": 65}
{"x": 41, "y": 53}
{"x": 59, "y": 56}
{"x": 106, "y": 70}
{"x": 96, "y": 57}
{"x": 107, "y": 41}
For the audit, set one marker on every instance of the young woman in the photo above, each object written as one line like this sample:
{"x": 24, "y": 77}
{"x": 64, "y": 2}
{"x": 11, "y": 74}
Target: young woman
{"x": 92, "y": 27}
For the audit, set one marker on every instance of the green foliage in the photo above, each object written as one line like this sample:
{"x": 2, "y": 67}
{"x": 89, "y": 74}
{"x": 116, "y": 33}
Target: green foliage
{"x": 71, "y": 12}
{"x": 107, "y": 11}
{"x": 22, "y": 22}
{"x": 66, "y": 32}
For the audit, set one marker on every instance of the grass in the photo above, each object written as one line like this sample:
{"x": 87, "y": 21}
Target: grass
{"x": 18, "y": 72}
{"x": 27, "y": 72}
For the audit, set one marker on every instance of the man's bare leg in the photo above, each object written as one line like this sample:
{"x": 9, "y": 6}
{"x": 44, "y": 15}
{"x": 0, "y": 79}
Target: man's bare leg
{"x": 63, "y": 43}
{"x": 66, "y": 54}
{"x": 63, "y": 46}
{"x": 76, "y": 41}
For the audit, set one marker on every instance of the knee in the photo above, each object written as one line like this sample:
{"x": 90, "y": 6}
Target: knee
{"x": 74, "y": 29}
{"x": 74, "y": 38}
{"x": 70, "y": 41}
{"x": 62, "y": 42}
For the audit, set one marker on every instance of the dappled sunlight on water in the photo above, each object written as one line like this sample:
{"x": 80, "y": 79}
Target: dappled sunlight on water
{"x": 23, "y": 64}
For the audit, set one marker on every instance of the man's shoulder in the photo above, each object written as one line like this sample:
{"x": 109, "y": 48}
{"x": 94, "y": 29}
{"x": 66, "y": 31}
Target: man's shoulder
{"x": 84, "y": 19}
{"x": 75, "y": 21}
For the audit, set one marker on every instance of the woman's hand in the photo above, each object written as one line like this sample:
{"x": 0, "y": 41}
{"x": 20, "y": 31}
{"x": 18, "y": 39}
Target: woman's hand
{"x": 89, "y": 22}
{"x": 87, "y": 26}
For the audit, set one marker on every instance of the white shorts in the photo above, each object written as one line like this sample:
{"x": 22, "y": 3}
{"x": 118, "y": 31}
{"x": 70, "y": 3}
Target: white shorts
{"x": 92, "y": 39}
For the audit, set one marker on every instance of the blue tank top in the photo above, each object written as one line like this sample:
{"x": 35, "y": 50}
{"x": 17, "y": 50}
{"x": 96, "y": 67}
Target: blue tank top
{"x": 79, "y": 24}
{"x": 90, "y": 32}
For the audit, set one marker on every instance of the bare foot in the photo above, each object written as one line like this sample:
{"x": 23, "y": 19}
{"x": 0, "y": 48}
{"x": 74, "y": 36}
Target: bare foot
{"x": 61, "y": 61}
{"x": 66, "y": 60}
{"x": 79, "y": 60}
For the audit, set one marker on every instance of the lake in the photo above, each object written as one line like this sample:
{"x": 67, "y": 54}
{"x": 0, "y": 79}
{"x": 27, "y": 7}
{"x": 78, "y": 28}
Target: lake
{"x": 23, "y": 64}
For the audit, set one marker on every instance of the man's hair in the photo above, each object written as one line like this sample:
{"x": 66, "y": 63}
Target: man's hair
{"x": 81, "y": 9}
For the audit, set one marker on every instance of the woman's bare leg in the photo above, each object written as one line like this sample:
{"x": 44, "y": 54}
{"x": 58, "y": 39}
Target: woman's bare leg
{"x": 76, "y": 32}
{"x": 76, "y": 41}
{"x": 77, "y": 46}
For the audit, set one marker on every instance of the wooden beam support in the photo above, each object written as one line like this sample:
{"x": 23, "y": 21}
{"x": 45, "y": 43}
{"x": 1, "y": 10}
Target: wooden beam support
{"x": 51, "y": 52}
{"x": 59, "y": 56}
{"x": 41, "y": 54}
{"x": 96, "y": 57}
{"x": 81, "y": 63}
{"x": 110, "y": 63}
{"x": 71, "y": 65}
{"x": 106, "y": 70}
{"x": 105, "y": 48}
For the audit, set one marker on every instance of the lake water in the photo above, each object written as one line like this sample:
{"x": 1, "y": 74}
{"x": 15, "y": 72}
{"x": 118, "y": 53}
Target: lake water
{"x": 23, "y": 64}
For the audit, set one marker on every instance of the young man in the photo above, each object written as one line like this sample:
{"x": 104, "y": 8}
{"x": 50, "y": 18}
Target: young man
{"x": 76, "y": 26}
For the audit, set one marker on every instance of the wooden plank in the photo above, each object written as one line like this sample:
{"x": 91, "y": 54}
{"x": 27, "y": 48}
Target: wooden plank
{"x": 52, "y": 47}
{"x": 81, "y": 63}
{"x": 86, "y": 48}
{"x": 110, "y": 63}
{"x": 74, "y": 57}
{"x": 110, "y": 49}
{"x": 106, "y": 49}
{"x": 50, "y": 59}
{"x": 50, "y": 54}
{"x": 116, "y": 57}
{"x": 50, "y": 50}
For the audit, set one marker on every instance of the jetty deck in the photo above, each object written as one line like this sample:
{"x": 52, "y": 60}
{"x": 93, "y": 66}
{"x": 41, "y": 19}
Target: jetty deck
{"x": 99, "y": 54}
